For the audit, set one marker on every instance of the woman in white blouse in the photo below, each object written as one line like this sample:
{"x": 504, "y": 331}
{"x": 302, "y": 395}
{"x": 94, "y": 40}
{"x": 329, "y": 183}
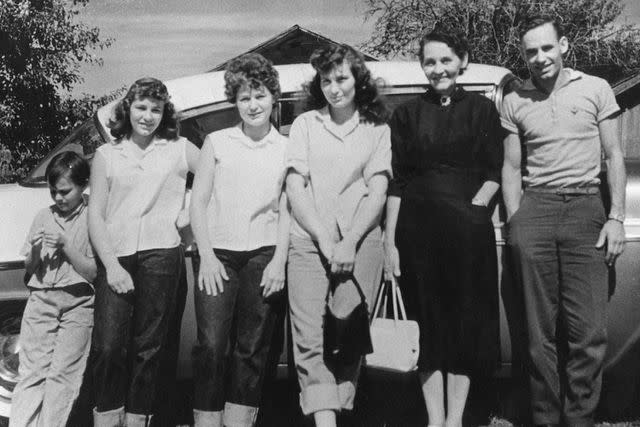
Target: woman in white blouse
{"x": 241, "y": 225}
{"x": 137, "y": 185}
{"x": 339, "y": 161}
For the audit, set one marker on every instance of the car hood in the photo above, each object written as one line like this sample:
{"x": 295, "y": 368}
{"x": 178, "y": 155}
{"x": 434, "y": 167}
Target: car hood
{"x": 19, "y": 206}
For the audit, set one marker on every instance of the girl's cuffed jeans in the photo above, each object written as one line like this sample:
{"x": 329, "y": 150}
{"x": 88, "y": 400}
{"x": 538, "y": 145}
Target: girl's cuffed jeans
{"x": 131, "y": 330}
{"x": 235, "y": 329}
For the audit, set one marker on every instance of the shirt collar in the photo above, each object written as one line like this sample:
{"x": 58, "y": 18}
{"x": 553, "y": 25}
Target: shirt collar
{"x": 349, "y": 126}
{"x": 125, "y": 145}
{"x": 119, "y": 144}
{"x": 572, "y": 75}
{"x": 270, "y": 138}
{"x": 60, "y": 218}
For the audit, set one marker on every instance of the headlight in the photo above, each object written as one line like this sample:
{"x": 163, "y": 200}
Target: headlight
{"x": 9, "y": 349}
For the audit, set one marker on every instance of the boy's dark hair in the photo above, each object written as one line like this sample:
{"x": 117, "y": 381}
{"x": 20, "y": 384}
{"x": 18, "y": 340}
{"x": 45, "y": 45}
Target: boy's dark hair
{"x": 253, "y": 70}
{"x": 456, "y": 42}
{"x": 146, "y": 87}
{"x": 536, "y": 21}
{"x": 70, "y": 164}
{"x": 368, "y": 102}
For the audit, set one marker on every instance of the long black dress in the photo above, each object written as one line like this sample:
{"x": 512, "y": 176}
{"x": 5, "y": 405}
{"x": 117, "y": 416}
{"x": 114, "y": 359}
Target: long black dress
{"x": 442, "y": 154}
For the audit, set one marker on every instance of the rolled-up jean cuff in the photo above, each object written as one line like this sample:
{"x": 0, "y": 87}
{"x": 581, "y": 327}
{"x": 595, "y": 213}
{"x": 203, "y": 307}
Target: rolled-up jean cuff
{"x": 207, "y": 418}
{"x": 347, "y": 393}
{"x": 236, "y": 415}
{"x": 113, "y": 417}
{"x": 318, "y": 397}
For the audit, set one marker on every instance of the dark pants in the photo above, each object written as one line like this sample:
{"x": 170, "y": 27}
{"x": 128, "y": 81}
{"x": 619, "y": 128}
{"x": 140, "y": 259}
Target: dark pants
{"x": 131, "y": 330}
{"x": 564, "y": 279}
{"x": 235, "y": 329}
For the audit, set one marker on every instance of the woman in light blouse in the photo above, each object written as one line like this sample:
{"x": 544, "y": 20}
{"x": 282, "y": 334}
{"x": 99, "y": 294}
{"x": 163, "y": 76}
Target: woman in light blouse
{"x": 339, "y": 161}
{"x": 241, "y": 225}
{"x": 138, "y": 184}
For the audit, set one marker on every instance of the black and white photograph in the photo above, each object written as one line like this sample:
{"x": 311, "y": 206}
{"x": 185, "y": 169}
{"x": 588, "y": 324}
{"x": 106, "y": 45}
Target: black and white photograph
{"x": 319, "y": 213}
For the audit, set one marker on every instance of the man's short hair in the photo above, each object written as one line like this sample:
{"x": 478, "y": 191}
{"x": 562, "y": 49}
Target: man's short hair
{"x": 536, "y": 21}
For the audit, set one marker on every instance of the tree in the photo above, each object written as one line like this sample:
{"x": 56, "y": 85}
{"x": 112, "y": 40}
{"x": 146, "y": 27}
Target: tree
{"x": 597, "y": 43}
{"x": 42, "y": 46}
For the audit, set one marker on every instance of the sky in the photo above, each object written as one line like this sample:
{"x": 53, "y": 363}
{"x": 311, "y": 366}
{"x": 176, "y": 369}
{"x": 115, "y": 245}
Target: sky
{"x": 175, "y": 38}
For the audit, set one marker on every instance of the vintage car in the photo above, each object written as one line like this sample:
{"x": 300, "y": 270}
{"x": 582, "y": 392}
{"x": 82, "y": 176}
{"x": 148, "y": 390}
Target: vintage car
{"x": 202, "y": 108}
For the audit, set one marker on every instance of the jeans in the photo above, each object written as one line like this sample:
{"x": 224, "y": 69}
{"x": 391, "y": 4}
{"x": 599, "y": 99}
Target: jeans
{"x": 235, "y": 329}
{"x": 131, "y": 330}
{"x": 54, "y": 342}
{"x": 564, "y": 279}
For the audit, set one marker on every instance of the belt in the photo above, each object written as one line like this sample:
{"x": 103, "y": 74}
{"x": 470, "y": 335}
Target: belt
{"x": 593, "y": 189}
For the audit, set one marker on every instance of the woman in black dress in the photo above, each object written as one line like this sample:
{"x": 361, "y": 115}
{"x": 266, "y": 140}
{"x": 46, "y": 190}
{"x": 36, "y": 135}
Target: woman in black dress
{"x": 447, "y": 157}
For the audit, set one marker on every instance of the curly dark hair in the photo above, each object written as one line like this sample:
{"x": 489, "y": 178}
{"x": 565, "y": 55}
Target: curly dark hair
{"x": 367, "y": 99}
{"x": 251, "y": 69}
{"x": 146, "y": 87}
{"x": 536, "y": 21}
{"x": 456, "y": 42}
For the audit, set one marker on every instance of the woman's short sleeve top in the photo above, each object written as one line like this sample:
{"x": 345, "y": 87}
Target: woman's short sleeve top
{"x": 146, "y": 193}
{"x": 247, "y": 184}
{"x": 337, "y": 163}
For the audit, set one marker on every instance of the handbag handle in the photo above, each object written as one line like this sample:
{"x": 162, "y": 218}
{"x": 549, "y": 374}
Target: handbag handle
{"x": 397, "y": 301}
{"x": 334, "y": 281}
{"x": 400, "y": 301}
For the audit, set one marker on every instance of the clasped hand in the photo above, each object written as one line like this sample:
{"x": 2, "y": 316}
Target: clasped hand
{"x": 340, "y": 255}
{"x": 56, "y": 239}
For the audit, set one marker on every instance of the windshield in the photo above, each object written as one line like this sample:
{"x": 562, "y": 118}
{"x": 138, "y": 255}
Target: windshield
{"x": 84, "y": 140}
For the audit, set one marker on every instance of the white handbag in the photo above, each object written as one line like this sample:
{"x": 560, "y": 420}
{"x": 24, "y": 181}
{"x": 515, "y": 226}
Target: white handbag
{"x": 396, "y": 340}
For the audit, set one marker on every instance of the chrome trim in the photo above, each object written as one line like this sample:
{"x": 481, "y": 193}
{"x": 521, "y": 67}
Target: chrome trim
{"x": 11, "y": 265}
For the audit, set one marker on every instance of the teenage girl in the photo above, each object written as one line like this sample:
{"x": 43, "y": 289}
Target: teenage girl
{"x": 137, "y": 192}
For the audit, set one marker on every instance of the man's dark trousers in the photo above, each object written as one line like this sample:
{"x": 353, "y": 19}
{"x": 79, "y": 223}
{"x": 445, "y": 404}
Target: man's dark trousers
{"x": 564, "y": 277}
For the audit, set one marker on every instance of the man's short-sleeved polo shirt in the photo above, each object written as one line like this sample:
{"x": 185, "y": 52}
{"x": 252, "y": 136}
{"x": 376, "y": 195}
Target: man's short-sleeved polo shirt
{"x": 337, "y": 163}
{"x": 560, "y": 130}
{"x": 247, "y": 183}
{"x": 55, "y": 270}
{"x": 146, "y": 193}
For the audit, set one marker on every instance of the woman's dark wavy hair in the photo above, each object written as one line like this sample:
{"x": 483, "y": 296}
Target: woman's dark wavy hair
{"x": 70, "y": 164}
{"x": 456, "y": 42}
{"x": 253, "y": 70}
{"x": 146, "y": 87}
{"x": 367, "y": 99}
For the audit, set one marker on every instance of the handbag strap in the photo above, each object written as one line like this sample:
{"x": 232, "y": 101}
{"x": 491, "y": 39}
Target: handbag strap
{"x": 398, "y": 300}
{"x": 333, "y": 282}
{"x": 381, "y": 300}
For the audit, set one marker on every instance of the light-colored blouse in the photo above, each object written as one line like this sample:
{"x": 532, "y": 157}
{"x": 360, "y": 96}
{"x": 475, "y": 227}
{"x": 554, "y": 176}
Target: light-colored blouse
{"x": 337, "y": 162}
{"x": 146, "y": 193}
{"x": 247, "y": 184}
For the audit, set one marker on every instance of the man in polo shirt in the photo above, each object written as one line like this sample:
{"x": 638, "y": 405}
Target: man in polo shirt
{"x": 560, "y": 121}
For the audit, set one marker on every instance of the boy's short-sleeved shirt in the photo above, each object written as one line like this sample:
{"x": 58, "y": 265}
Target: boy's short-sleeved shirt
{"x": 337, "y": 163}
{"x": 560, "y": 130}
{"x": 55, "y": 270}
